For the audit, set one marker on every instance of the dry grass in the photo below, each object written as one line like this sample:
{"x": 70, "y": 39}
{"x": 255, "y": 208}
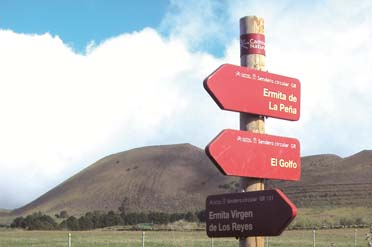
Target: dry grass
{"x": 324, "y": 238}
{"x": 327, "y": 217}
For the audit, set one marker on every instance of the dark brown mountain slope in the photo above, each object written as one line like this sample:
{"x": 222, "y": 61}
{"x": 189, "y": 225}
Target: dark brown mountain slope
{"x": 159, "y": 178}
{"x": 328, "y": 180}
{"x": 179, "y": 177}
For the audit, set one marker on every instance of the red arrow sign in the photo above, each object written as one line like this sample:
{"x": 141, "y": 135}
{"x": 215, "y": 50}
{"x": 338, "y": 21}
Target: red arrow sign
{"x": 241, "y": 89}
{"x": 248, "y": 154}
{"x": 258, "y": 213}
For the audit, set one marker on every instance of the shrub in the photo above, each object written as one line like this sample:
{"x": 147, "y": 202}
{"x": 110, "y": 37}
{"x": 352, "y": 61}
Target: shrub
{"x": 35, "y": 221}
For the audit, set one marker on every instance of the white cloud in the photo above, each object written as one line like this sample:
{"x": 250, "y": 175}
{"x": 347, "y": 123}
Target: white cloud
{"x": 62, "y": 111}
{"x": 325, "y": 44}
{"x": 330, "y": 56}
{"x": 201, "y": 24}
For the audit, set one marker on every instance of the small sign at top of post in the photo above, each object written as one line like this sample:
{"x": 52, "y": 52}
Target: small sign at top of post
{"x": 252, "y": 43}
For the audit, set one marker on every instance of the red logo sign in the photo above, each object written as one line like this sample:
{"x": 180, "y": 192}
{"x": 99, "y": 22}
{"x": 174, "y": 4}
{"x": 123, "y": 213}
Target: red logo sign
{"x": 259, "y": 213}
{"x": 248, "y": 154}
{"x": 252, "y": 43}
{"x": 241, "y": 89}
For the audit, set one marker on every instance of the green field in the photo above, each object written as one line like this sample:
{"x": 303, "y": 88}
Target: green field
{"x": 324, "y": 238}
{"x": 327, "y": 217}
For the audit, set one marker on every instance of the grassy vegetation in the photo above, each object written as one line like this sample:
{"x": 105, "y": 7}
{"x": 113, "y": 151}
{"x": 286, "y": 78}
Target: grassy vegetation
{"x": 326, "y": 217}
{"x": 182, "y": 234}
{"x": 306, "y": 217}
{"x": 6, "y": 220}
{"x": 324, "y": 238}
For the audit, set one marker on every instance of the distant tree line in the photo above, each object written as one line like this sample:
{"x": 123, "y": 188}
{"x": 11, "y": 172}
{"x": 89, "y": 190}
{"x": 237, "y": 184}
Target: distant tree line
{"x": 35, "y": 221}
{"x": 98, "y": 219}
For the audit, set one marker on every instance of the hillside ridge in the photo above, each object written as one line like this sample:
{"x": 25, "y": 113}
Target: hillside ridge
{"x": 179, "y": 177}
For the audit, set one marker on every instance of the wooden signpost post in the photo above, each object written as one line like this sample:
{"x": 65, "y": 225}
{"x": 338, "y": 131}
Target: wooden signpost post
{"x": 255, "y": 59}
{"x": 248, "y": 152}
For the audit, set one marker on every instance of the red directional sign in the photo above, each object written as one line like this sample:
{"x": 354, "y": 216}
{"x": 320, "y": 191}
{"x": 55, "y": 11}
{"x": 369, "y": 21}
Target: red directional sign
{"x": 248, "y": 154}
{"x": 241, "y": 89}
{"x": 258, "y": 213}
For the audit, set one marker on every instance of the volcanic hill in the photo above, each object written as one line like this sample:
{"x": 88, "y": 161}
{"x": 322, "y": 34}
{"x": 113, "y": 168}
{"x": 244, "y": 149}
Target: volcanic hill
{"x": 159, "y": 178}
{"x": 177, "y": 178}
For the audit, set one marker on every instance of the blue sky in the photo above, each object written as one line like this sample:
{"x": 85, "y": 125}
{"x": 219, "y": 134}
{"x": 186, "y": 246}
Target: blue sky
{"x": 80, "y": 80}
{"x": 80, "y": 22}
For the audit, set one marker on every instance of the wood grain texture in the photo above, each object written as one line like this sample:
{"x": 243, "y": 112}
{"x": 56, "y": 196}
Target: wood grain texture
{"x": 250, "y": 122}
{"x": 252, "y": 24}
